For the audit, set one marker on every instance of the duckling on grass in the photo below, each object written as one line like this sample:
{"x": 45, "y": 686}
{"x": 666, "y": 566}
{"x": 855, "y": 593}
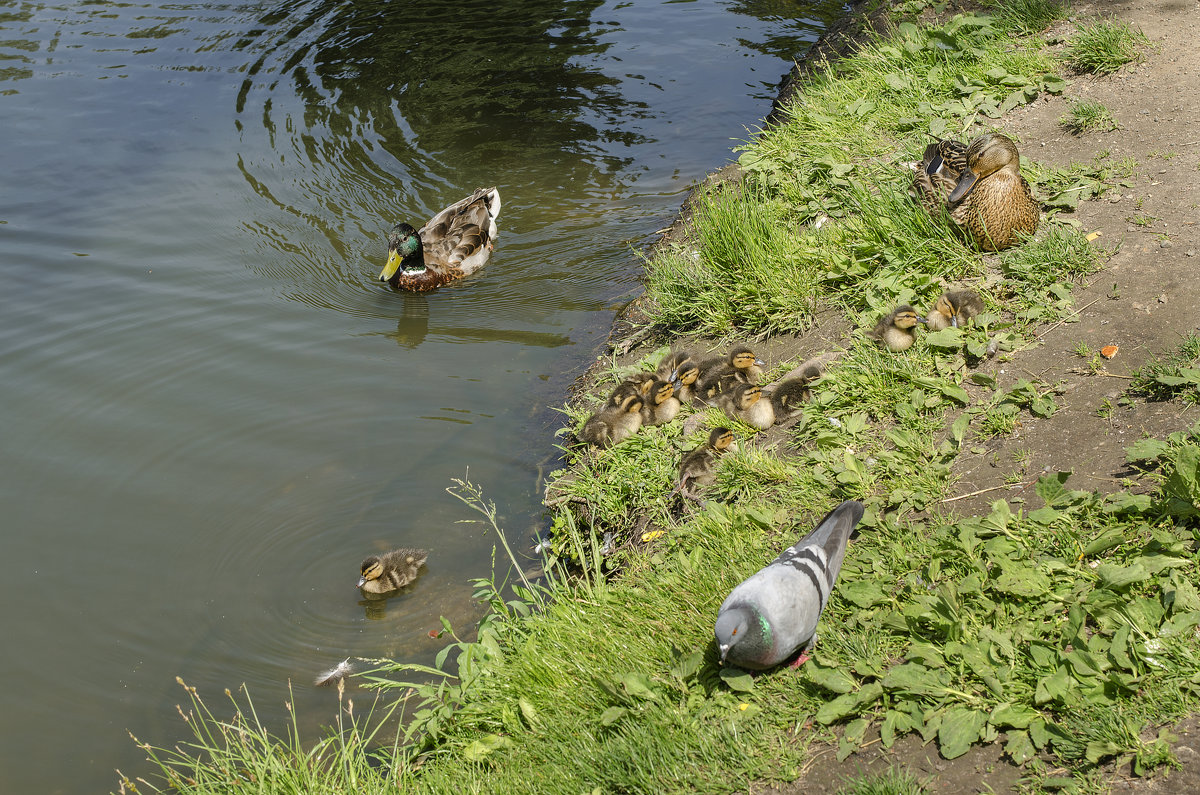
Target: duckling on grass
{"x": 789, "y": 396}
{"x": 614, "y": 424}
{"x": 391, "y": 571}
{"x": 696, "y": 468}
{"x": 744, "y": 402}
{"x": 741, "y": 366}
{"x": 685, "y": 381}
{"x": 981, "y": 186}
{"x": 954, "y": 308}
{"x": 669, "y": 367}
{"x": 896, "y": 331}
{"x": 661, "y": 406}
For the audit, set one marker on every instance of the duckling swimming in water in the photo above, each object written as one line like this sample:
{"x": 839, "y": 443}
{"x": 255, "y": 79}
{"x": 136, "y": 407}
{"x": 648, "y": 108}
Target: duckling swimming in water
{"x": 740, "y": 366}
{"x": 744, "y": 402}
{"x": 614, "y": 424}
{"x": 896, "y": 331}
{"x": 980, "y": 184}
{"x": 661, "y": 406}
{"x": 696, "y": 468}
{"x": 954, "y": 308}
{"x": 391, "y": 571}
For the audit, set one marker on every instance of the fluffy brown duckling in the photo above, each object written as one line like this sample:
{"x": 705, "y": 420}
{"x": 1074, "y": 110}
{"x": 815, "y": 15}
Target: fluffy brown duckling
{"x": 744, "y": 402}
{"x": 954, "y": 308}
{"x": 661, "y": 406}
{"x": 685, "y": 381}
{"x": 897, "y": 331}
{"x": 614, "y": 424}
{"x": 981, "y": 186}
{"x": 789, "y": 396}
{"x": 669, "y": 367}
{"x": 391, "y": 571}
{"x": 740, "y": 366}
{"x": 696, "y": 468}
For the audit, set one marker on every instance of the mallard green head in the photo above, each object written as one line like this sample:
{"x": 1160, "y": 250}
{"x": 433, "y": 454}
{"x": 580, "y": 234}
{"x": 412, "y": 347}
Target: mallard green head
{"x": 404, "y": 252}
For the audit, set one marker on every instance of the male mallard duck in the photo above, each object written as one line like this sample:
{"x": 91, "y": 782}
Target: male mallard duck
{"x": 741, "y": 365}
{"x": 954, "y": 308}
{"x": 744, "y": 402}
{"x": 980, "y": 184}
{"x": 896, "y": 331}
{"x": 614, "y": 424}
{"x": 696, "y": 466}
{"x": 661, "y": 405}
{"x": 455, "y": 243}
{"x": 788, "y": 396}
{"x": 391, "y": 571}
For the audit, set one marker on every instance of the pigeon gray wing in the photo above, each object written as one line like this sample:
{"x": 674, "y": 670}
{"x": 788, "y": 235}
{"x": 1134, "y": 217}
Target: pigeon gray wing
{"x": 792, "y": 591}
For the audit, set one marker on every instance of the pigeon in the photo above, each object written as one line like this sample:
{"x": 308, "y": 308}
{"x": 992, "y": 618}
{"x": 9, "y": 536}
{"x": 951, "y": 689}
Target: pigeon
{"x": 774, "y": 612}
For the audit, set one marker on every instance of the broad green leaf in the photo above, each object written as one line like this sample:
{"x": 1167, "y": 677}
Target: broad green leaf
{"x": 1019, "y": 747}
{"x": 960, "y": 728}
{"x": 864, "y": 593}
{"x": 1054, "y": 687}
{"x": 849, "y": 704}
{"x": 1119, "y": 649}
{"x": 485, "y": 745}
{"x": 1114, "y": 577}
{"x": 1099, "y": 749}
{"x": 949, "y": 338}
{"x": 1145, "y": 450}
{"x": 833, "y": 679}
{"x": 638, "y": 686}
{"x": 1105, "y": 541}
{"x": 1016, "y": 716}
{"x": 737, "y": 679}
{"x": 611, "y": 715}
{"x": 1021, "y": 580}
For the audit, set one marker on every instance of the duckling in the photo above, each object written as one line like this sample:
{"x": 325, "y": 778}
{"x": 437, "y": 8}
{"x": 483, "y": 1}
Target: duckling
{"x": 696, "y": 466}
{"x": 980, "y": 184}
{"x": 685, "y": 381}
{"x": 896, "y": 331}
{"x": 614, "y": 424}
{"x": 669, "y": 367}
{"x": 788, "y": 396}
{"x": 740, "y": 366}
{"x": 391, "y": 571}
{"x": 641, "y": 381}
{"x": 954, "y": 308}
{"x": 661, "y": 406}
{"x": 454, "y": 243}
{"x": 744, "y": 402}
{"x": 621, "y": 392}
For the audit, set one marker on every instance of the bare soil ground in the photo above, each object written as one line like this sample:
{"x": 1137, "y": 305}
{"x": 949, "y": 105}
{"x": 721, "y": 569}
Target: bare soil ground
{"x": 1144, "y": 301}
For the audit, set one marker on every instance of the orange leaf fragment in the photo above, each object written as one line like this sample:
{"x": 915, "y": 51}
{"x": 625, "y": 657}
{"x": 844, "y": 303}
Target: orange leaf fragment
{"x": 1109, "y": 351}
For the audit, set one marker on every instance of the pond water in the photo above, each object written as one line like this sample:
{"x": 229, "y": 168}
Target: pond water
{"x": 213, "y": 411}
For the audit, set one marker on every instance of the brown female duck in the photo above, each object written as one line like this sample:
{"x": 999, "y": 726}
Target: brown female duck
{"x": 981, "y": 186}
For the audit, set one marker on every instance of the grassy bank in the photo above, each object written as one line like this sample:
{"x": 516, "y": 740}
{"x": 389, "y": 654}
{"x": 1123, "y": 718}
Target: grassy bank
{"x": 1065, "y": 627}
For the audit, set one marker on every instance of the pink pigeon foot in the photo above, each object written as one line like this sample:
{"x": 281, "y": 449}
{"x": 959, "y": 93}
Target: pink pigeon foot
{"x": 801, "y": 658}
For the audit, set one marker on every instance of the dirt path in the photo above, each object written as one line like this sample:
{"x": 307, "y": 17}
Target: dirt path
{"x": 1146, "y": 298}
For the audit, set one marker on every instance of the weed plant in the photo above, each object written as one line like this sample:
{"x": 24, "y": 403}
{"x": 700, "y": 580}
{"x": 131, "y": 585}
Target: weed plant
{"x": 1088, "y": 116}
{"x": 1104, "y": 47}
{"x": 1175, "y": 375}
